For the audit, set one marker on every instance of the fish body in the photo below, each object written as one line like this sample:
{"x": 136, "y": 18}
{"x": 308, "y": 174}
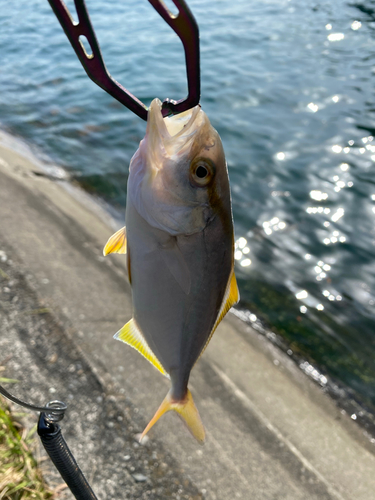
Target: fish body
{"x": 180, "y": 246}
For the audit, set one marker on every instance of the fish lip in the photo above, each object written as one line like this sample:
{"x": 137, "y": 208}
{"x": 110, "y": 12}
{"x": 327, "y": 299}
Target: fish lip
{"x": 185, "y": 128}
{"x": 157, "y": 127}
{"x": 155, "y": 121}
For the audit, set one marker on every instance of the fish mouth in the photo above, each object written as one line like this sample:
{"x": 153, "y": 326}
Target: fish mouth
{"x": 180, "y": 124}
{"x": 171, "y": 135}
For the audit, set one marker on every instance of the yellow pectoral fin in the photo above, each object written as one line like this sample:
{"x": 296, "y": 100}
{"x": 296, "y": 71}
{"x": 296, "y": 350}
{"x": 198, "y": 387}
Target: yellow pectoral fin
{"x": 187, "y": 411}
{"x": 132, "y": 335}
{"x": 231, "y": 297}
{"x": 116, "y": 243}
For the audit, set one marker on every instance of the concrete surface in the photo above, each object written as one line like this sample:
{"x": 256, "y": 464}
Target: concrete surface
{"x": 271, "y": 433}
{"x": 101, "y": 421}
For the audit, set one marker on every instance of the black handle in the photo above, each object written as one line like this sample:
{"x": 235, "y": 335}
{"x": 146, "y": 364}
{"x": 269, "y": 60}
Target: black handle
{"x": 61, "y": 456}
{"x": 184, "y": 25}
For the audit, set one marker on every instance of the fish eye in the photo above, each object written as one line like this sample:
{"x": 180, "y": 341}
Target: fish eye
{"x": 202, "y": 171}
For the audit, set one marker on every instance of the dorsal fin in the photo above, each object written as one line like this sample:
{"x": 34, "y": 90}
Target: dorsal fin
{"x": 116, "y": 243}
{"x": 132, "y": 335}
{"x": 231, "y": 297}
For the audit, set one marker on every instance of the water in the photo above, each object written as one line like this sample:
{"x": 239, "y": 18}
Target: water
{"x": 290, "y": 87}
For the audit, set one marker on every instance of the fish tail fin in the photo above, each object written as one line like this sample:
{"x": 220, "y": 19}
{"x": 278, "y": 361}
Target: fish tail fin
{"x": 186, "y": 409}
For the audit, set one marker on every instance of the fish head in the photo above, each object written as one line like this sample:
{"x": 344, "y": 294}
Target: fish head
{"x": 178, "y": 178}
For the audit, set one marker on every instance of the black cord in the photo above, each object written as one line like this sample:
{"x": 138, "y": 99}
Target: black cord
{"x": 58, "y": 408}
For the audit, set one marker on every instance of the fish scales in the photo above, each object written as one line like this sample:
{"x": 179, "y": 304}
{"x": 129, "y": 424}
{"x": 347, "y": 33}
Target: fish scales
{"x": 180, "y": 245}
{"x": 176, "y": 326}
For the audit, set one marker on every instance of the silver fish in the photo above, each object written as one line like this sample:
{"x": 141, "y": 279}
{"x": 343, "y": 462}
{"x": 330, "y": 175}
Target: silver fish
{"x": 180, "y": 250}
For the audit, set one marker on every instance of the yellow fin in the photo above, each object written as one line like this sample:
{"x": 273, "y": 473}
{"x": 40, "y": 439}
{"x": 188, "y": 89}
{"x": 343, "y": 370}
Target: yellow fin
{"x": 116, "y": 243}
{"x": 231, "y": 297}
{"x": 132, "y": 335}
{"x": 187, "y": 411}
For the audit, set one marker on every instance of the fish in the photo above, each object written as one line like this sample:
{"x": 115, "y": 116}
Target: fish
{"x": 179, "y": 244}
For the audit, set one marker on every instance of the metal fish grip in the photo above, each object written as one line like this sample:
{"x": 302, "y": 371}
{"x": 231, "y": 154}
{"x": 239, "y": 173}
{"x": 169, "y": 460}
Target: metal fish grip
{"x": 183, "y": 24}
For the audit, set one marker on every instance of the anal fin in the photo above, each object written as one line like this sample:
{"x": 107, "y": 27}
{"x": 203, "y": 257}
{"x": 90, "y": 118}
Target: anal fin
{"x": 132, "y": 335}
{"x": 116, "y": 243}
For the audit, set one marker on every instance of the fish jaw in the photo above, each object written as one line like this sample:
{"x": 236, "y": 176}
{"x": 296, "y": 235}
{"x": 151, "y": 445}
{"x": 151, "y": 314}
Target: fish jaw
{"x": 165, "y": 137}
{"x": 160, "y": 180}
{"x": 170, "y": 136}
